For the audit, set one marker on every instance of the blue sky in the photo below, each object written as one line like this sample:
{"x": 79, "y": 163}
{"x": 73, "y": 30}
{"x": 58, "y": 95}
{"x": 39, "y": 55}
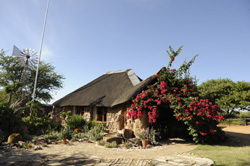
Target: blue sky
{"x": 85, "y": 38}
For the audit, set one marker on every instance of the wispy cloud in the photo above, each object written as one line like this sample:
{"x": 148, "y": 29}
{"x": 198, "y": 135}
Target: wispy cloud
{"x": 47, "y": 53}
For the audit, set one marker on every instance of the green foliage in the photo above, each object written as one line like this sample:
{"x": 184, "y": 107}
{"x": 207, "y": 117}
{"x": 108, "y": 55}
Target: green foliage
{"x": 232, "y": 122}
{"x": 51, "y": 135}
{"x": 37, "y": 125}
{"x": 26, "y": 145}
{"x": 228, "y": 95}
{"x": 77, "y": 136}
{"x": 11, "y": 73}
{"x": 101, "y": 142}
{"x": 177, "y": 91}
{"x": 95, "y": 133}
{"x": 66, "y": 133}
{"x": 63, "y": 115}
{"x": 8, "y": 123}
{"x": 142, "y": 136}
{"x": 243, "y": 115}
{"x": 126, "y": 144}
{"x": 76, "y": 121}
{"x": 111, "y": 144}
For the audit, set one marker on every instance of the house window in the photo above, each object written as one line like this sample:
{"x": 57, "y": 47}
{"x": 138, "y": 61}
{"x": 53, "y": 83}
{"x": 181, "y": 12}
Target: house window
{"x": 101, "y": 114}
{"x": 79, "y": 111}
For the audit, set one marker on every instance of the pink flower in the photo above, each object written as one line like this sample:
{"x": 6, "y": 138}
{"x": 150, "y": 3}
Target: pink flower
{"x": 173, "y": 70}
{"x": 172, "y": 58}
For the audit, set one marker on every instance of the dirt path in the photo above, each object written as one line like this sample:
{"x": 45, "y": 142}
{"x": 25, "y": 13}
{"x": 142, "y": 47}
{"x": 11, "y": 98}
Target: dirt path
{"x": 92, "y": 149}
{"x": 240, "y": 134}
{"x": 83, "y": 153}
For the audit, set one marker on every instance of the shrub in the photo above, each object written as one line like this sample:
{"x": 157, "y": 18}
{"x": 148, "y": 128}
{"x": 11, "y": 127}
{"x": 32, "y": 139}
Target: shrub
{"x": 111, "y": 145}
{"x": 178, "y": 91}
{"x": 244, "y": 115}
{"x": 76, "y": 136}
{"x": 65, "y": 133}
{"x": 101, "y": 142}
{"x": 37, "y": 125}
{"x": 76, "y": 121}
{"x": 52, "y": 135}
{"x": 8, "y": 123}
{"x": 126, "y": 144}
{"x": 96, "y": 132}
{"x": 26, "y": 145}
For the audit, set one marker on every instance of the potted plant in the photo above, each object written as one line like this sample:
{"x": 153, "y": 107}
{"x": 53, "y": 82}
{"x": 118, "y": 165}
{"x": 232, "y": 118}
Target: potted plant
{"x": 65, "y": 134}
{"x": 144, "y": 139}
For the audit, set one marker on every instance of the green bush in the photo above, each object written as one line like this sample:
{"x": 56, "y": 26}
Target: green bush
{"x": 244, "y": 115}
{"x": 8, "y": 123}
{"x": 26, "y": 145}
{"x": 76, "y": 136}
{"x": 231, "y": 122}
{"x": 111, "y": 145}
{"x": 101, "y": 142}
{"x": 126, "y": 144}
{"x": 65, "y": 133}
{"x": 37, "y": 125}
{"x": 91, "y": 124}
{"x": 96, "y": 132}
{"x": 52, "y": 135}
{"x": 76, "y": 121}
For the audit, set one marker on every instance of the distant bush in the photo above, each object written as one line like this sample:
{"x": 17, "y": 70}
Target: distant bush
{"x": 8, "y": 121}
{"x": 65, "y": 133}
{"x": 77, "y": 136}
{"x": 95, "y": 133}
{"x": 111, "y": 145}
{"x": 244, "y": 115}
{"x": 76, "y": 121}
{"x": 37, "y": 125}
{"x": 231, "y": 122}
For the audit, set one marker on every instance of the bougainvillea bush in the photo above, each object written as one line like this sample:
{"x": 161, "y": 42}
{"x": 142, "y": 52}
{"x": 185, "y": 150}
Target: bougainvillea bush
{"x": 178, "y": 90}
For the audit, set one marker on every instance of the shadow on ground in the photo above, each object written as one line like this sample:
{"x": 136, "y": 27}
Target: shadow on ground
{"x": 14, "y": 158}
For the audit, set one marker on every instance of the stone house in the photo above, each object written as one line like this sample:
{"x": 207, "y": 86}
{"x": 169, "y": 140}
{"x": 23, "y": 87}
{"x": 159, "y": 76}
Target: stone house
{"x": 105, "y": 100}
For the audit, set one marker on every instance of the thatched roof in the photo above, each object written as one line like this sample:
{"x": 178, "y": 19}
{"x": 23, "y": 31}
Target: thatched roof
{"x": 108, "y": 90}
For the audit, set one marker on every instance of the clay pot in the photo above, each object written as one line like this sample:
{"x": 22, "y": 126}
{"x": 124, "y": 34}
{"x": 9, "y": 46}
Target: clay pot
{"x": 64, "y": 140}
{"x": 145, "y": 142}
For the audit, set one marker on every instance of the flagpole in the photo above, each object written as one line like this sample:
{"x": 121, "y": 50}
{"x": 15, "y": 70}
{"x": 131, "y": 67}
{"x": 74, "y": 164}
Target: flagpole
{"x": 40, "y": 52}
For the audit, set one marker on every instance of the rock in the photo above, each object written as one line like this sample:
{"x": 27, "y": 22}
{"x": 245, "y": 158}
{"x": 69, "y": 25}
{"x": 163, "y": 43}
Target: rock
{"x": 110, "y": 139}
{"x": 21, "y": 143}
{"x": 14, "y": 138}
{"x": 38, "y": 148}
{"x": 128, "y": 133}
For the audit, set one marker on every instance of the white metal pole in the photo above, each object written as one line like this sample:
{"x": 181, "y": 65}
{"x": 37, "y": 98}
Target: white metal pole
{"x": 41, "y": 46}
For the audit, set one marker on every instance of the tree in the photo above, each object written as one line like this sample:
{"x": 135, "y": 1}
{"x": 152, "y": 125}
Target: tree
{"x": 10, "y": 79}
{"x": 228, "y": 95}
{"x": 10, "y": 74}
{"x": 176, "y": 90}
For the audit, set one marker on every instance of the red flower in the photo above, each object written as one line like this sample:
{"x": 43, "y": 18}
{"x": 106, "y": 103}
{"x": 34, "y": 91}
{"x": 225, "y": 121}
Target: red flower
{"x": 203, "y": 133}
{"x": 173, "y": 70}
{"x": 172, "y": 58}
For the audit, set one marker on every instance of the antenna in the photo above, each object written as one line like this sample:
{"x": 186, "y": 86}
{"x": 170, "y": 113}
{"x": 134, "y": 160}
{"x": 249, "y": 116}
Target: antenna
{"x": 41, "y": 46}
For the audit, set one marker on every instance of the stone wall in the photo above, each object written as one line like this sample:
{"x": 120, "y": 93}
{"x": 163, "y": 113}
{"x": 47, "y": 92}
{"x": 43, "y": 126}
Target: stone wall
{"x": 115, "y": 118}
{"x": 138, "y": 125}
{"x": 55, "y": 115}
{"x": 87, "y": 113}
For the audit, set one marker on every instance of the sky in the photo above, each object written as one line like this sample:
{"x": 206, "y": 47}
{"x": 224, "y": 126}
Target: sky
{"x": 85, "y": 38}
